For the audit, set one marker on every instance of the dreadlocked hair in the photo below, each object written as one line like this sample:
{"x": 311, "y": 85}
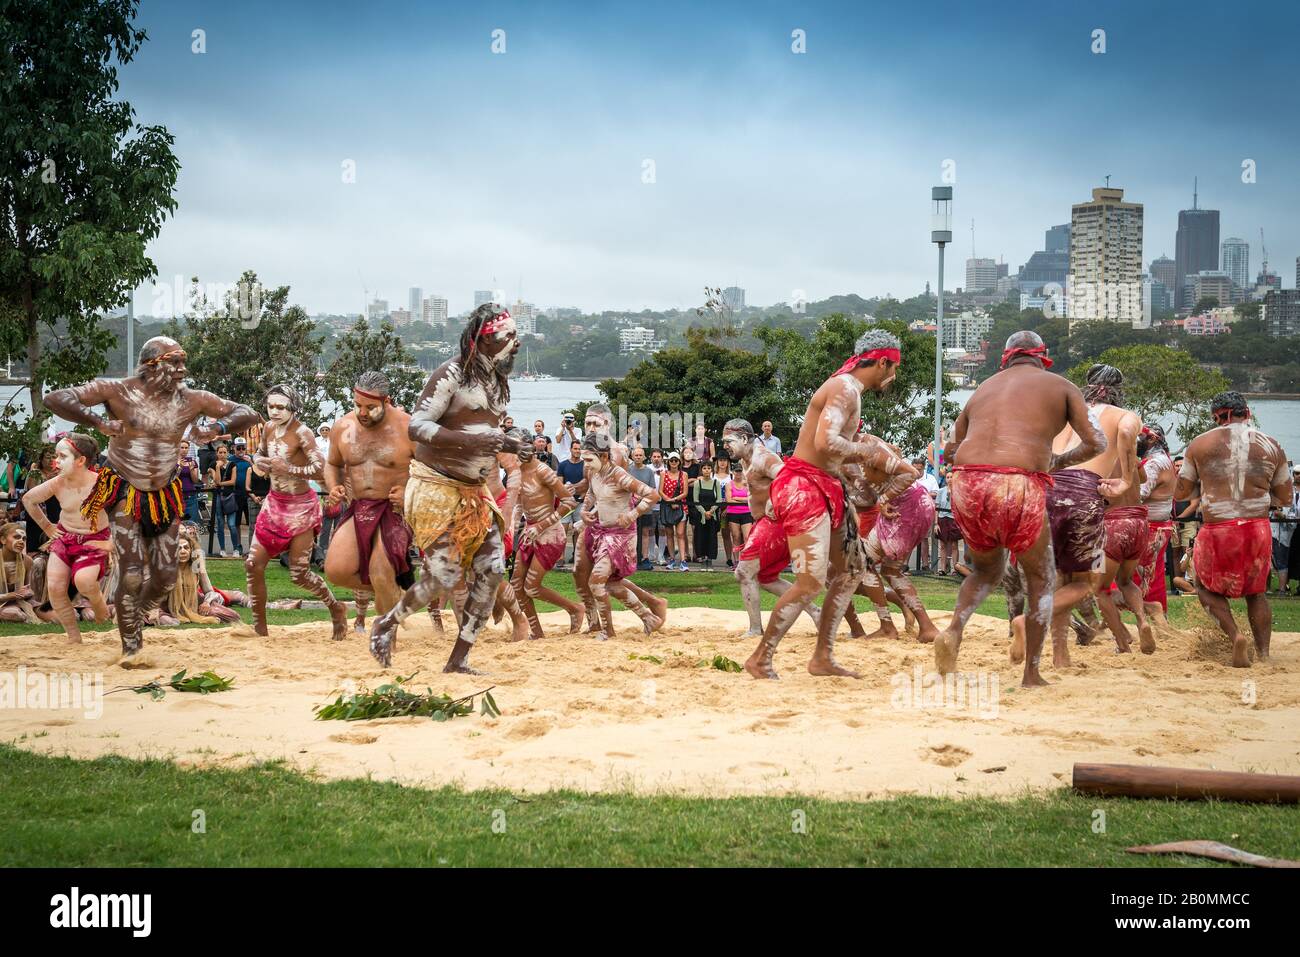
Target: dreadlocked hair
{"x": 491, "y": 378}
{"x": 1230, "y": 402}
{"x": 1104, "y": 384}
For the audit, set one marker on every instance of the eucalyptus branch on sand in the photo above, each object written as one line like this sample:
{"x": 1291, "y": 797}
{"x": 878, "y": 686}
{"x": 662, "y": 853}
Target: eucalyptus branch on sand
{"x": 205, "y": 683}
{"x": 394, "y": 701}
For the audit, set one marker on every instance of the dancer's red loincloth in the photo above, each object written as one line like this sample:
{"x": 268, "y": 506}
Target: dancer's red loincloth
{"x": 369, "y": 514}
{"x": 1233, "y": 558}
{"x": 615, "y": 543}
{"x": 801, "y": 494}
{"x": 896, "y": 536}
{"x": 999, "y": 506}
{"x": 75, "y": 551}
{"x": 1128, "y": 531}
{"x": 546, "y": 551}
{"x": 284, "y": 517}
{"x": 768, "y": 546}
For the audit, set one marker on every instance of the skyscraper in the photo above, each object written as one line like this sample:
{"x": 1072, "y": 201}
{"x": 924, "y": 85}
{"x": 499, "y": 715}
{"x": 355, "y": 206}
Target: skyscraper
{"x": 481, "y": 296}
{"x": 434, "y": 311}
{"x": 1105, "y": 280}
{"x": 1058, "y": 239}
{"x": 734, "y": 297}
{"x": 1196, "y": 247}
{"x": 414, "y": 297}
{"x": 1165, "y": 272}
{"x": 1235, "y": 261}
{"x": 981, "y": 274}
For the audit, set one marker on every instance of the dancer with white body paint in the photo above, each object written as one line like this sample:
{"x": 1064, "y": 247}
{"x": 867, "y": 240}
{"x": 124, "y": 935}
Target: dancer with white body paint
{"x": 1238, "y": 471}
{"x": 1002, "y": 450}
{"x": 456, "y": 428}
{"x": 148, "y": 414}
{"x": 78, "y": 548}
{"x": 806, "y": 500}
{"x": 291, "y": 515}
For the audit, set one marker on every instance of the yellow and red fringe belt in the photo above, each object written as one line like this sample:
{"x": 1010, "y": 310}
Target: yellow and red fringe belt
{"x": 154, "y": 511}
{"x": 437, "y": 504}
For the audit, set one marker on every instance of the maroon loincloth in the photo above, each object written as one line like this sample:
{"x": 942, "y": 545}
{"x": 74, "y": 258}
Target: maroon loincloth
{"x": 1127, "y": 532}
{"x": 367, "y": 514}
{"x": 614, "y": 542}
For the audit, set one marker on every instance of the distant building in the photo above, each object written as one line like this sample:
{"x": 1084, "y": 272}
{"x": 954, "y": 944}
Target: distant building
{"x": 966, "y": 330}
{"x": 1268, "y": 280}
{"x": 1165, "y": 271}
{"x": 1058, "y": 239}
{"x": 1157, "y": 295}
{"x": 1196, "y": 246}
{"x": 434, "y": 311}
{"x": 415, "y": 302}
{"x": 1044, "y": 267}
{"x": 734, "y": 298}
{"x": 482, "y": 296}
{"x": 525, "y": 316}
{"x": 1106, "y": 259}
{"x": 377, "y": 311}
{"x": 1234, "y": 259}
{"x": 1204, "y": 325}
{"x": 1212, "y": 282}
{"x": 638, "y": 339}
{"x": 981, "y": 274}
{"x": 1002, "y": 270}
{"x": 1280, "y": 312}
{"x": 1052, "y": 301}
{"x": 400, "y": 317}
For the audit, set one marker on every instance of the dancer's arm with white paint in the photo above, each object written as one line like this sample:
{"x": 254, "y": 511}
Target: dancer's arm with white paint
{"x": 228, "y": 418}
{"x": 1092, "y": 440}
{"x": 1126, "y": 438}
{"x": 77, "y": 405}
{"x": 33, "y": 498}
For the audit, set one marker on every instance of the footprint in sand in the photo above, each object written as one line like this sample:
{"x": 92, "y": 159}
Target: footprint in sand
{"x": 533, "y": 727}
{"x": 945, "y": 755}
{"x": 56, "y": 723}
{"x": 618, "y": 754}
{"x": 354, "y": 737}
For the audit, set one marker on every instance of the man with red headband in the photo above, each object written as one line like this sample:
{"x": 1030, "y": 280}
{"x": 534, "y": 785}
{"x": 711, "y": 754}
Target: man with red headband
{"x": 456, "y": 523}
{"x": 147, "y": 416}
{"x": 1002, "y": 453}
{"x": 1093, "y": 510}
{"x": 1240, "y": 472}
{"x": 367, "y": 467}
{"x": 806, "y": 499}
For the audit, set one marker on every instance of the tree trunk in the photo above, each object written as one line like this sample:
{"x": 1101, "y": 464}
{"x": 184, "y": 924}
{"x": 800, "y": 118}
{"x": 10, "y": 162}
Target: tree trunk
{"x": 33, "y": 347}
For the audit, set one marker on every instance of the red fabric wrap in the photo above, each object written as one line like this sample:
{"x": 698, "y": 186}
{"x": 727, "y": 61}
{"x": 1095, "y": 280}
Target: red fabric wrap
{"x": 1151, "y": 573}
{"x": 897, "y": 536}
{"x": 508, "y": 538}
{"x": 999, "y": 506}
{"x": 1233, "y": 558}
{"x": 893, "y": 355}
{"x": 369, "y": 515}
{"x": 867, "y": 518}
{"x": 1038, "y": 352}
{"x": 74, "y": 550}
{"x": 284, "y": 517}
{"x": 615, "y": 543}
{"x": 802, "y": 493}
{"x": 1127, "y": 532}
{"x": 768, "y": 546}
{"x": 546, "y": 551}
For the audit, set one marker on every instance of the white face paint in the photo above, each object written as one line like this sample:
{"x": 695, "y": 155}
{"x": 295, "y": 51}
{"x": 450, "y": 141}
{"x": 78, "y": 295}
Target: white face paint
{"x": 591, "y": 460}
{"x": 277, "y": 409}
{"x": 183, "y": 550}
{"x": 734, "y": 443}
{"x": 65, "y": 455}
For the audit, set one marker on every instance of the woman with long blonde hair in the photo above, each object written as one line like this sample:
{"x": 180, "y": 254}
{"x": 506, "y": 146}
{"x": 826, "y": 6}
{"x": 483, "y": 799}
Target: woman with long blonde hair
{"x": 192, "y": 597}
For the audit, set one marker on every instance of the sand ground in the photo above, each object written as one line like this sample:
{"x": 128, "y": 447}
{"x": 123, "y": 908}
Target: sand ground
{"x": 583, "y": 714}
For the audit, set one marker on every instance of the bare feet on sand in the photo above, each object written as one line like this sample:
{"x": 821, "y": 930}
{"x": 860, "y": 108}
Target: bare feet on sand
{"x": 945, "y": 652}
{"x": 760, "y": 666}
{"x": 1147, "y": 638}
{"x": 1240, "y": 652}
{"x": 1060, "y": 653}
{"x": 575, "y": 620}
{"x": 1017, "y": 639}
{"x": 339, "y": 616}
{"x": 824, "y": 666}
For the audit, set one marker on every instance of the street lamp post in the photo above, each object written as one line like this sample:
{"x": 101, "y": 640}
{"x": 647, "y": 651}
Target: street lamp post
{"x": 940, "y": 233}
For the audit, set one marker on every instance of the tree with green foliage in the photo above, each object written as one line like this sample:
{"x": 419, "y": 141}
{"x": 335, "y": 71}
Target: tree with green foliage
{"x": 903, "y": 415}
{"x": 250, "y": 341}
{"x": 83, "y": 190}
{"x": 362, "y": 350}
{"x": 704, "y": 378}
{"x": 1204, "y": 305}
{"x": 1163, "y": 384}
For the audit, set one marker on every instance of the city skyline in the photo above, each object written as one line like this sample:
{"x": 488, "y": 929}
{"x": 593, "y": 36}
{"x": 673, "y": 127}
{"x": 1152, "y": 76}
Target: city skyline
{"x": 787, "y": 174}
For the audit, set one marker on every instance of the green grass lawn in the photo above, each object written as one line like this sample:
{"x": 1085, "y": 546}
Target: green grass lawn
{"x": 692, "y": 589}
{"x": 58, "y": 812}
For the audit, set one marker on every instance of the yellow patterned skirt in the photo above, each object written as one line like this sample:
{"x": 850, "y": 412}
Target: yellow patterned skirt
{"x": 436, "y": 504}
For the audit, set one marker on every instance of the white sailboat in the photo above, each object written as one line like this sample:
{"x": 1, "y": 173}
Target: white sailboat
{"x": 530, "y": 374}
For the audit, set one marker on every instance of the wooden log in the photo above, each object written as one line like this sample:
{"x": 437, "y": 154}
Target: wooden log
{"x": 1188, "y": 784}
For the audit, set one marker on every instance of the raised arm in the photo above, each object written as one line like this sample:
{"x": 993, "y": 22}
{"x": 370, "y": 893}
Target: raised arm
{"x": 228, "y": 417}
{"x": 77, "y": 405}
{"x": 1092, "y": 440}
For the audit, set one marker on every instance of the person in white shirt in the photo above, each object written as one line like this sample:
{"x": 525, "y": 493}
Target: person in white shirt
{"x": 931, "y": 485}
{"x": 770, "y": 441}
{"x": 1283, "y": 532}
{"x": 568, "y": 436}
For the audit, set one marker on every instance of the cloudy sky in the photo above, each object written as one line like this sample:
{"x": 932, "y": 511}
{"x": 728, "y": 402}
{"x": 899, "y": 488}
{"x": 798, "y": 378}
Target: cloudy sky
{"x": 526, "y": 170}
